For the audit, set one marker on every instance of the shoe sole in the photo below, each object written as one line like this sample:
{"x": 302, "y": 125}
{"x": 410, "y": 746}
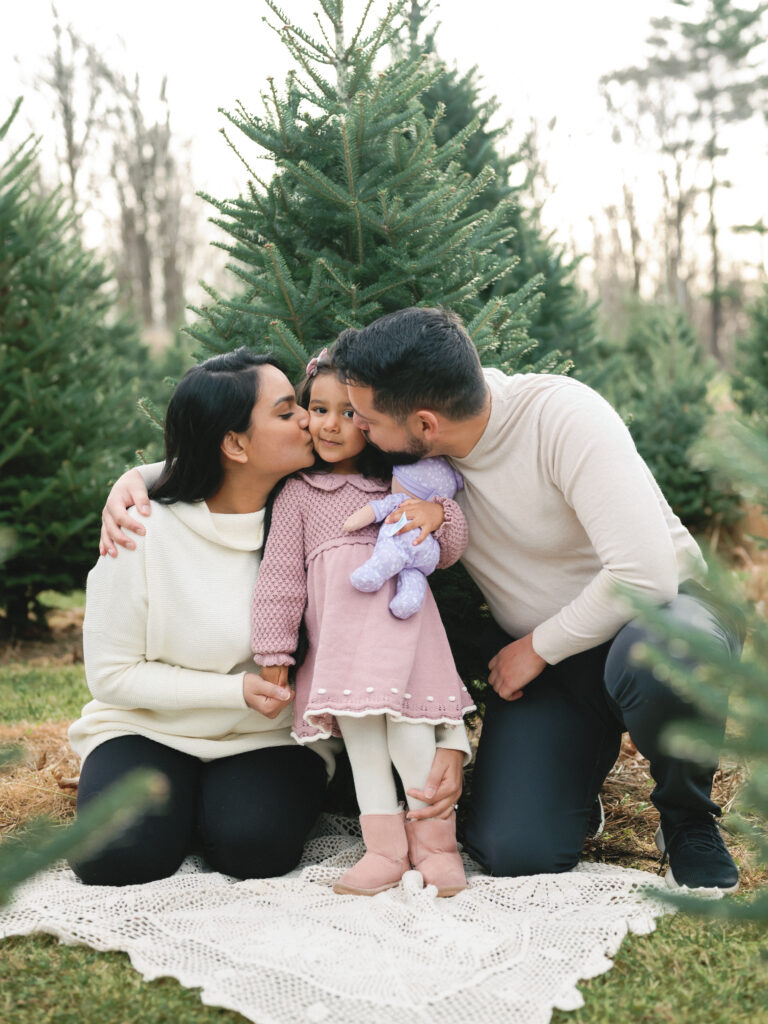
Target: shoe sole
{"x": 672, "y": 883}
{"x": 349, "y": 890}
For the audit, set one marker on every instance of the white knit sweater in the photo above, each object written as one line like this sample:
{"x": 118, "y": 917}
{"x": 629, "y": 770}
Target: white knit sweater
{"x": 561, "y": 509}
{"x": 166, "y": 639}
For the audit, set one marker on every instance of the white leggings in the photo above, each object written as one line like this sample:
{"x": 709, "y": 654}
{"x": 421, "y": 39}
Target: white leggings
{"x": 376, "y": 742}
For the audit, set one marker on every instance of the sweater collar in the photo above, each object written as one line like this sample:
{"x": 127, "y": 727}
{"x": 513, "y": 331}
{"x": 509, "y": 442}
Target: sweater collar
{"x": 237, "y": 532}
{"x": 333, "y": 481}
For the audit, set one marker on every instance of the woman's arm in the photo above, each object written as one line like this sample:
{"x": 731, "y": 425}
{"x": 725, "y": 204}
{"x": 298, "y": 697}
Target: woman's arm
{"x": 115, "y": 653}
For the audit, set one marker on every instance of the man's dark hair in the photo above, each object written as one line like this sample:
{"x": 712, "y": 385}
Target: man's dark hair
{"x": 416, "y": 358}
{"x": 211, "y": 399}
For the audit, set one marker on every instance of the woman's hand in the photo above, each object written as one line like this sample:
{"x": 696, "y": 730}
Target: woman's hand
{"x": 128, "y": 490}
{"x": 443, "y": 787}
{"x": 269, "y": 692}
{"x": 427, "y": 516}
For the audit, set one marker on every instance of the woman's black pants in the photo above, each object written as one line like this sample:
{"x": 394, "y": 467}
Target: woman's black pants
{"x": 248, "y": 814}
{"x": 542, "y": 759}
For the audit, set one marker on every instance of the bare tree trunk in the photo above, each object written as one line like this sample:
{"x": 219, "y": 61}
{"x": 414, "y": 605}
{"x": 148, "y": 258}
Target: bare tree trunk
{"x": 634, "y": 238}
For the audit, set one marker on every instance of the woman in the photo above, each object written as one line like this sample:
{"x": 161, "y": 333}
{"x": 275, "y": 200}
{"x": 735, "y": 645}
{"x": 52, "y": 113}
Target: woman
{"x": 167, "y": 645}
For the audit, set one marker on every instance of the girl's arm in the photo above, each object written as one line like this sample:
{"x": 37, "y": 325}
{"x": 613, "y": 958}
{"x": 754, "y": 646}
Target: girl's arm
{"x": 453, "y": 535}
{"x": 280, "y": 594}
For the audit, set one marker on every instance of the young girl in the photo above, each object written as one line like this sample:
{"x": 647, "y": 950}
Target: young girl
{"x": 384, "y": 684}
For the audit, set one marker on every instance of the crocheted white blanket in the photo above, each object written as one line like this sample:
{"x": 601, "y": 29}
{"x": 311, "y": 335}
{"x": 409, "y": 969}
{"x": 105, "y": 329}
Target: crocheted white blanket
{"x": 287, "y": 950}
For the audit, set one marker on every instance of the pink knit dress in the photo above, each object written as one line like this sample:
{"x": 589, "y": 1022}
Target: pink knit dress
{"x": 361, "y": 659}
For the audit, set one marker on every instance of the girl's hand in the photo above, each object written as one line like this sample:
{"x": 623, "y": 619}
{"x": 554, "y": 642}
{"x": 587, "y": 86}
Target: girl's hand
{"x": 427, "y": 516}
{"x": 128, "y": 490}
{"x": 269, "y": 692}
{"x": 443, "y": 787}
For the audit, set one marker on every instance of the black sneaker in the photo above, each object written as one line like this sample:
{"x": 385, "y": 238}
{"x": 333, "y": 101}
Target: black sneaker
{"x": 596, "y": 822}
{"x": 698, "y": 857}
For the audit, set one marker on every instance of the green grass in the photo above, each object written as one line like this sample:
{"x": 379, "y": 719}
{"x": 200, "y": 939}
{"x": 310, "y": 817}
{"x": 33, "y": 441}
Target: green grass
{"x": 42, "y": 982}
{"x": 687, "y": 972}
{"x": 53, "y": 599}
{"x": 50, "y": 693}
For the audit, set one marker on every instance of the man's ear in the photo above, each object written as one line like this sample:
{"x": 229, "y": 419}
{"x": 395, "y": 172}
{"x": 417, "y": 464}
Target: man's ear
{"x": 232, "y": 447}
{"x": 425, "y": 424}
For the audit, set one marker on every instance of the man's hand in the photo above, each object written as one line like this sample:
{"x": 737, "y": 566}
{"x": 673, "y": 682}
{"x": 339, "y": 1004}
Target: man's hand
{"x": 427, "y": 516}
{"x": 514, "y": 667}
{"x": 443, "y": 787}
{"x": 128, "y": 490}
{"x": 269, "y": 692}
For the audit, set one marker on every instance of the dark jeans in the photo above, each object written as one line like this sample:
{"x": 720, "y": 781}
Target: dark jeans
{"x": 249, "y": 814}
{"x": 543, "y": 758}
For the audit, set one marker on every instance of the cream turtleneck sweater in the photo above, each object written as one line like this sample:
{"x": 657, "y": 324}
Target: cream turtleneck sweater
{"x": 561, "y": 509}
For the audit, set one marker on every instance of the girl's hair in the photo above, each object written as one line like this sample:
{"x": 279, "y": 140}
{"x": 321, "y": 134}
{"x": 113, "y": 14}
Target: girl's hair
{"x": 211, "y": 399}
{"x": 370, "y": 462}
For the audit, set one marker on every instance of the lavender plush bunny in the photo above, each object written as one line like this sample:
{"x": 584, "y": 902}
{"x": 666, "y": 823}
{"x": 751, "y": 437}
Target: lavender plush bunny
{"x": 395, "y": 554}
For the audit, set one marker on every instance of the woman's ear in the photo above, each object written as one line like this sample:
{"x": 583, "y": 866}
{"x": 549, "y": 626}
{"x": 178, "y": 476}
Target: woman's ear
{"x": 232, "y": 447}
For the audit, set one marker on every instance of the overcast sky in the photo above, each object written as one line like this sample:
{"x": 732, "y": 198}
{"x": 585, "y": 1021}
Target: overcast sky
{"x": 542, "y": 58}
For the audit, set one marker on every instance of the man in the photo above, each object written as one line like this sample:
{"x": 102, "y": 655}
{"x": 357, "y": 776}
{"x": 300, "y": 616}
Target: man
{"x": 562, "y": 513}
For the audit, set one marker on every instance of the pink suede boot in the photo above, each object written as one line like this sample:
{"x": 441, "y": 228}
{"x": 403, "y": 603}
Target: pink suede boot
{"x": 386, "y": 858}
{"x": 432, "y": 849}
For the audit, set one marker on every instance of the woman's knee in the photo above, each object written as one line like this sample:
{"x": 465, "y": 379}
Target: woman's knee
{"x": 242, "y": 852}
{"x": 129, "y": 860}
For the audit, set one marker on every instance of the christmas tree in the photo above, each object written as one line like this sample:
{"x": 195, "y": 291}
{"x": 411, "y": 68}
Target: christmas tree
{"x": 68, "y": 391}
{"x": 563, "y": 320}
{"x": 368, "y": 209}
{"x": 658, "y": 379}
{"x": 750, "y": 376}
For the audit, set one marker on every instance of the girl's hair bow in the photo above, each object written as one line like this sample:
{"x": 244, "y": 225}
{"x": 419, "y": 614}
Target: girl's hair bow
{"x": 314, "y": 362}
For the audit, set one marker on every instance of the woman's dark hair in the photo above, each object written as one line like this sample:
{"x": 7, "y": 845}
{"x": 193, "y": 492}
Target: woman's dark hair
{"x": 371, "y": 462}
{"x": 211, "y": 399}
{"x": 416, "y": 358}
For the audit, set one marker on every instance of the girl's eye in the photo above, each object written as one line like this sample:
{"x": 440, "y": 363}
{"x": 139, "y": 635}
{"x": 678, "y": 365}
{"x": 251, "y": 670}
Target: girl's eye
{"x": 319, "y": 409}
{"x": 349, "y": 413}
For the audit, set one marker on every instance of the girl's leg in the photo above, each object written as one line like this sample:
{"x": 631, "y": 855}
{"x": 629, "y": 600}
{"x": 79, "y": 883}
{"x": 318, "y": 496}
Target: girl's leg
{"x": 381, "y": 820}
{"x": 431, "y": 842}
{"x": 366, "y": 742}
{"x": 153, "y": 846}
{"x": 256, "y": 809}
{"x": 411, "y": 747}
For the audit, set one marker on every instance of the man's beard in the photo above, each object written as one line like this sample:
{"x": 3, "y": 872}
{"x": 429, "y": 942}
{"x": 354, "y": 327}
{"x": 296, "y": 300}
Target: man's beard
{"x": 416, "y": 450}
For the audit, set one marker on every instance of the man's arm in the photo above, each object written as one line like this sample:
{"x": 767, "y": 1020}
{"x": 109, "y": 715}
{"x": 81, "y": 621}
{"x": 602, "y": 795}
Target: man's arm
{"x": 129, "y": 490}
